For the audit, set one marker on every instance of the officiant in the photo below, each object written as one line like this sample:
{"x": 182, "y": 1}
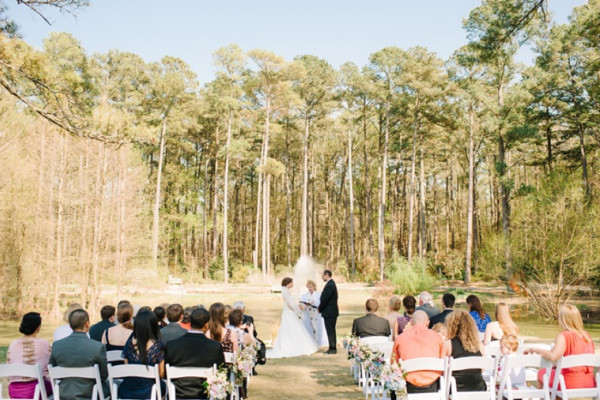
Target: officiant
{"x": 312, "y": 319}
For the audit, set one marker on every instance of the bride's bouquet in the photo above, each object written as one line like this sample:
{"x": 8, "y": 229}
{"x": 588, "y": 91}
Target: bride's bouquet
{"x": 218, "y": 385}
{"x": 393, "y": 378}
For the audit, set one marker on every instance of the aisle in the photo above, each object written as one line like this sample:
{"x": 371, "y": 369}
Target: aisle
{"x": 313, "y": 377}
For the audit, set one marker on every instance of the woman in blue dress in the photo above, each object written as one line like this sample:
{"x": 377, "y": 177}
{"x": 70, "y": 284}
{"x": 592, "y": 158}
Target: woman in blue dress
{"x": 478, "y": 313}
{"x": 143, "y": 347}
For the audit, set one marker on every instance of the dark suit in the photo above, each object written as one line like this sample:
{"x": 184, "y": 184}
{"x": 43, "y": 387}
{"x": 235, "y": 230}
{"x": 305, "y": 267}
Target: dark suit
{"x": 193, "y": 350}
{"x": 74, "y": 351}
{"x": 98, "y": 329}
{"x": 171, "y": 332}
{"x": 329, "y": 310}
{"x": 439, "y": 318}
{"x": 371, "y": 325}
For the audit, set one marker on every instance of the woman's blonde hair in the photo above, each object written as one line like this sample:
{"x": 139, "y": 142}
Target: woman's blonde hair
{"x": 395, "y": 303}
{"x": 569, "y": 318}
{"x": 461, "y": 325}
{"x": 68, "y": 311}
{"x": 505, "y": 320}
{"x": 312, "y": 283}
{"x": 510, "y": 341}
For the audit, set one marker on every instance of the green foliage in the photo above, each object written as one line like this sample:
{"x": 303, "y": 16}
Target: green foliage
{"x": 410, "y": 277}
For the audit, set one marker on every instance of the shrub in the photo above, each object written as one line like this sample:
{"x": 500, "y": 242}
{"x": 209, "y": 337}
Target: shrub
{"x": 410, "y": 277}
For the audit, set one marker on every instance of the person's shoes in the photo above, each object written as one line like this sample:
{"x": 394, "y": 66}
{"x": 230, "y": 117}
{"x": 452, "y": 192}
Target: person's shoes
{"x": 330, "y": 351}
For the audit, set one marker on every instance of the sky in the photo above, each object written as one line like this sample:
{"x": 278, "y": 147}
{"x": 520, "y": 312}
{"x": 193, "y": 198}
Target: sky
{"x": 338, "y": 31}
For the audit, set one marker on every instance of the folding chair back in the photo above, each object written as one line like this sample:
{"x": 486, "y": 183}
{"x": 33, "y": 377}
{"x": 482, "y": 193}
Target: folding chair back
{"x": 370, "y": 340}
{"x": 427, "y": 364}
{"x": 516, "y": 364}
{"x": 465, "y": 363}
{"x": 116, "y": 372}
{"x": 559, "y": 388}
{"x": 114, "y": 356}
{"x": 92, "y": 373}
{"x": 174, "y": 373}
{"x": 27, "y": 371}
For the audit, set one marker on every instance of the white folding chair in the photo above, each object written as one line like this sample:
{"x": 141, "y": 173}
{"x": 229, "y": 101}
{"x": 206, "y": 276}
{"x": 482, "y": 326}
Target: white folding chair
{"x": 92, "y": 373}
{"x": 511, "y": 365}
{"x": 114, "y": 356}
{"x": 559, "y": 389}
{"x": 27, "y": 371}
{"x": 230, "y": 358}
{"x": 174, "y": 373}
{"x": 427, "y": 364}
{"x": 370, "y": 340}
{"x": 464, "y": 363}
{"x": 117, "y": 372}
{"x": 384, "y": 347}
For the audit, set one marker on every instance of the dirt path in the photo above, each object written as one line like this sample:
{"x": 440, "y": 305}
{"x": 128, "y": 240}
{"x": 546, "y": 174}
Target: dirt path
{"x": 313, "y": 377}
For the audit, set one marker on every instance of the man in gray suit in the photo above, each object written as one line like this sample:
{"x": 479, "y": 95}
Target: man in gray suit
{"x": 371, "y": 324}
{"x": 78, "y": 350}
{"x": 173, "y": 330}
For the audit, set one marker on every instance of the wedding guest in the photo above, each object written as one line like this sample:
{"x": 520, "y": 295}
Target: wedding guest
{"x": 185, "y": 322}
{"x": 571, "y": 341}
{"x": 509, "y": 344}
{"x": 143, "y": 347}
{"x": 464, "y": 342}
{"x": 206, "y": 353}
{"x": 402, "y": 323}
{"x": 504, "y": 325}
{"x": 115, "y": 338}
{"x": 107, "y": 313}
{"x": 478, "y": 313}
{"x": 426, "y": 304}
{"x": 228, "y": 309}
{"x": 235, "y": 321}
{"x": 448, "y": 300}
{"x": 394, "y": 306}
{"x": 371, "y": 324}
{"x": 119, "y": 304}
{"x": 65, "y": 330}
{"x": 173, "y": 330}
{"x": 440, "y": 328}
{"x": 76, "y": 351}
{"x": 160, "y": 313}
{"x": 217, "y": 331}
{"x": 419, "y": 342}
{"x": 165, "y": 320}
{"x": 247, "y": 318}
{"x": 30, "y": 350}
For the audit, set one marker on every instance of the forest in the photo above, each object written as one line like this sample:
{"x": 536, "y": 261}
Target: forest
{"x": 118, "y": 171}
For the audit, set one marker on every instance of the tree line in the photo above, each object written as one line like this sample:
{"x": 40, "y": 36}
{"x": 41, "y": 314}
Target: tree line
{"x": 118, "y": 170}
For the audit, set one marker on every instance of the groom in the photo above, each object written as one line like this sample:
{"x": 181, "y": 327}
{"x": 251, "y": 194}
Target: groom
{"x": 329, "y": 310}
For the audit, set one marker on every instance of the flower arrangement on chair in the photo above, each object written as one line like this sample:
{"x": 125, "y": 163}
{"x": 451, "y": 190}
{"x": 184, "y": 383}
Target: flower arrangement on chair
{"x": 393, "y": 378}
{"x": 218, "y": 385}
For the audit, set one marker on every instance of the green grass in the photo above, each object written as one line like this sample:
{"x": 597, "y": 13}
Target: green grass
{"x": 3, "y": 350}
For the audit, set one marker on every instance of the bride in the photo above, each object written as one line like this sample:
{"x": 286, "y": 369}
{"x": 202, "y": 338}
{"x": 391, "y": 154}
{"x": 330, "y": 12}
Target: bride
{"x": 292, "y": 340}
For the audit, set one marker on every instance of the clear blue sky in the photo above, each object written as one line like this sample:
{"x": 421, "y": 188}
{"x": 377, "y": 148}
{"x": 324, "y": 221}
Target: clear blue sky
{"x": 192, "y": 30}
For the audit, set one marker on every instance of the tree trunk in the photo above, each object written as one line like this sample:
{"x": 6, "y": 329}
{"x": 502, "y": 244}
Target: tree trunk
{"x": 215, "y": 201}
{"x": 422, "y": 210}
{"x": 382, "y": 201}
{"x": 369, "y": 211}
{"x": 155, "y": 220}
{"x": 226, "y": 203}
{"x": 351, "y": 211}
{"x": 304, "y": 217}
{"x": 469, "y": 243}
{"x": 584, "y": 164}
{"x": 266, "y": 181}
{"x": 411, "y": 205}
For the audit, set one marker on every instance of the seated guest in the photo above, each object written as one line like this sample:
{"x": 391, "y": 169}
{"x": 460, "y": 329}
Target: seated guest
{"x": 217, "y": 331}
{"x": 448, "y": 300}
{"x": 402, "y": 323}
{"x": 571, "y": 341}
{"x": 160, "y": 313}
{"x": 143, "y": 347}
{"x": 77, "y": 351}
{"x": 115, "y": 338}
{"x": 426, "y": 304}
{"x": 464, "y": 342}
{"x": 107, "y": 313}
{"x": 119, "y": 304}
{"x": 228, "y": 310}
{"x": 394, "y": 306}
{"x": 509, "y": 344}
{"x": 440, "y": 328}
{"x": 235, "y": 321}
{"x": 247, "y": 320}
{"x": 65, "y": 330}
{"x": 419, "y": 342}
{"x": 206, "y": 353}
{"x": 371, "y": 324}
{"x": 173, "y": 330}
{"x": 185, "y": 322}
{"x": 478, "y": 313}
{"x": 504, "y": 325}
{"x": 28, "y": 350}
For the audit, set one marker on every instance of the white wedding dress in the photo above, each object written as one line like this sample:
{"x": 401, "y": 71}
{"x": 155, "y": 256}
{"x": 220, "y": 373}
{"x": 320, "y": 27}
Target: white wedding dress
{"x": 292, "y": 340}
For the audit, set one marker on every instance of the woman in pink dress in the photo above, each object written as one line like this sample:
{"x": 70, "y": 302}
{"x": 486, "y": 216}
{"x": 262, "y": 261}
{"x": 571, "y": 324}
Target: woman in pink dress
{"x": 28, "y": 350}
{"x": 571, "y": 341}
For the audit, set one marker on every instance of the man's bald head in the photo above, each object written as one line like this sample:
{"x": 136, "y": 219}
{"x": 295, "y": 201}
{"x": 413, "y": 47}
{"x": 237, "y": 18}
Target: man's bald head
{"x": 420, "y": 318}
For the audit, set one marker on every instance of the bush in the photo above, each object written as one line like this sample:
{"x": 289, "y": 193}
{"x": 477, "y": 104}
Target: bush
{"x": 410, "y": 277}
